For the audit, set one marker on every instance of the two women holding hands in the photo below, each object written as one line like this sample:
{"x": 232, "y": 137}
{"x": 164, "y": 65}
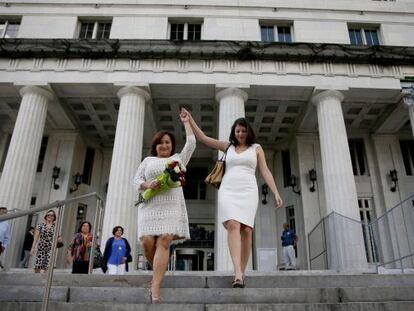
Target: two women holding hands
{"x": 162, "y": 219}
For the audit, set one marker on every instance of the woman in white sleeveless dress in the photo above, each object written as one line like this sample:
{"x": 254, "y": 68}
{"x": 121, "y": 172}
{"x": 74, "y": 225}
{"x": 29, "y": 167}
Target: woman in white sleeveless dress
{"x": 163, "y": 219}
{"x": 238, "y": 194}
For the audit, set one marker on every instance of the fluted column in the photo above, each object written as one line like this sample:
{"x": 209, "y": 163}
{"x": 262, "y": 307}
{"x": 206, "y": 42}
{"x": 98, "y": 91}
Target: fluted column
{"x": 345, "y": 241}
{"x": 126, "y": 156}
{"x": 231, "y": 107}
{"x": 19, "y": 170}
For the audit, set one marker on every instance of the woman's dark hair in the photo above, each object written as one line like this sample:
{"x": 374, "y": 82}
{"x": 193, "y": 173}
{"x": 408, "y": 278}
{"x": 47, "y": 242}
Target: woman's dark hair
{"x": 115, "y": 229}
{"x": 251, "y": 137}
{"x": 50, "y": 211}
{"x": 82, "y": 223}
{"x": 157, "y": 139}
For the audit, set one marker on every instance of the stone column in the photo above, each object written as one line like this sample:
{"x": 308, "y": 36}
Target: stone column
{"x": 19, "y": 170}
{"x": 266, "y": 235}
{"x": 126, "y": 157}
{"x": 231, "y": 107}
{"x": 345, "y": 241}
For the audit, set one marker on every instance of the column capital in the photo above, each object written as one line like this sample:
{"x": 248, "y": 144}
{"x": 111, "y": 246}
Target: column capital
{"x": 334, "y": 94}
{"x": 231, "y": 91}
{"x": 130, "y": 89}
{"x": 32, "y": 89}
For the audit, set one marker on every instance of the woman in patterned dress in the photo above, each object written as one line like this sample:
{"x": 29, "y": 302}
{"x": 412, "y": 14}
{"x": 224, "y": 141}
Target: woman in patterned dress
{"x": 163, "y": 219}
{"x": 80, "y": 249}
{"x": 43, "y": 239}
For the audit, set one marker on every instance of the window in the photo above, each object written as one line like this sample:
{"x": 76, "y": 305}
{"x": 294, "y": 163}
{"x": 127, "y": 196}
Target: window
{"x": 95, "y": 30}
{"x": 88, "y": 166}
{"x": 42, "y": 154}
{"x": 195, "y": 188}
{"x": 185, "y": 31}
{"x": 407, "y": 151}
{"x": 278, "y": 33}
{"x": 290, "y": 217}
{"x": 363, "y": 36}
{"x": 9, "y": 29}
{"x": 286, "y": 167}
{"x": 367, "y": 214}
{"x": 358, "y": 157}
{"x": 5, "y": 150}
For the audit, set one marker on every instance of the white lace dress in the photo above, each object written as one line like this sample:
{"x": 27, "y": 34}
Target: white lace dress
{"x": 166, "y": 212}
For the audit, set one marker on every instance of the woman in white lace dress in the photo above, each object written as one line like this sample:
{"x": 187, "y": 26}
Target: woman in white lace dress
{"x": 163, "y": 219}
{"x": 238, "y": 193}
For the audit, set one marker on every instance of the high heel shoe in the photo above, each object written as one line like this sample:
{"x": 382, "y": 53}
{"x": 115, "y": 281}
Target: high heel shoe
{"x": 237, "y": 283}
{"x": 153, "y": 299}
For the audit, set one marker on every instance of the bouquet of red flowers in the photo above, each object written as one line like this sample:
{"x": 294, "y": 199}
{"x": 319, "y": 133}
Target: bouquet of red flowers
{"x": 172, "y": 177}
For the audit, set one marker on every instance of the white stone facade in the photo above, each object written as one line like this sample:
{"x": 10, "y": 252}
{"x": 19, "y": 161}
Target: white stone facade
{"x": 114, "y": 105}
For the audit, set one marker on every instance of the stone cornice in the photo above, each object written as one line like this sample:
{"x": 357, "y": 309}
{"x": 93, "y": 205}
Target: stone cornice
{"x": 206, "y": 50}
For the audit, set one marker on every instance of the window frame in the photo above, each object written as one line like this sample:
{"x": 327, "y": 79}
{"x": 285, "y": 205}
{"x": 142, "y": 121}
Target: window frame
{"x": 367, "y": 214}
{"x": 291, "y": 217}
{"x": 362, "y": 31}
{"x": 357, "y": 149}
{"x": 186, "y": 23}
{"x": 276, "y": 27}
{"x": 407, "y": 155}
{"x": 96, "y": 23}
{"x": 7, "y": 23}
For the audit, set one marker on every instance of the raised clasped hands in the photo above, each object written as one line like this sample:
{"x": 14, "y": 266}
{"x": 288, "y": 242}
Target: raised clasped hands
{"x": 184, "y": 115}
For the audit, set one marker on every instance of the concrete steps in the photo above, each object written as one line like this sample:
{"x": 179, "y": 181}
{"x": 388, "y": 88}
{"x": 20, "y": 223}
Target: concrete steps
{"x": 361, "y": 306}
{"x": 304, "y": 291}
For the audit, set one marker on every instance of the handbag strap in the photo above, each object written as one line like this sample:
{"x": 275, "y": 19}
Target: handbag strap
{"x": 223, "y": 157}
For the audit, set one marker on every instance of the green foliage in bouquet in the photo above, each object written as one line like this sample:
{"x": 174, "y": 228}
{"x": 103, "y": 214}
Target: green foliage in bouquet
{"x": 172, "y": 177}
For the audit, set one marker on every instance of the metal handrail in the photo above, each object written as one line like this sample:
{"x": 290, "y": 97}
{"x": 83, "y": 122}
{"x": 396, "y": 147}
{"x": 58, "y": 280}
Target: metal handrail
{"x": 392, "y": 209}
{"x": 388, "y": 212}
{"x": 34, "y": 210}
{"x": 369, "y": 225}
{"x": 60, "y": 205}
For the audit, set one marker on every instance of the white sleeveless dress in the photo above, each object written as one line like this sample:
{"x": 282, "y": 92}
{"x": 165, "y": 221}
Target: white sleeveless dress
{"x": 238, "y": 195}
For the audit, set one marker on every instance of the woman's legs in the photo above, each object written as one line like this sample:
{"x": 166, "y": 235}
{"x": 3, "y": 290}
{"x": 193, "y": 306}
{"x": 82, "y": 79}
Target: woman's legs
{"x": 161, "y": 258}
{"x": 148, "y": 244}
{"x": 246, "y": 233}
{"x": 235, "y": 246}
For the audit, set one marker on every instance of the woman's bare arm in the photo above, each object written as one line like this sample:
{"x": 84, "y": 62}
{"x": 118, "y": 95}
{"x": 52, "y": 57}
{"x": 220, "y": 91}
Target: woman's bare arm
{"x": 36, "y": 236}
{"x": 267, "y": 176}
{"x": 206, "y": 140}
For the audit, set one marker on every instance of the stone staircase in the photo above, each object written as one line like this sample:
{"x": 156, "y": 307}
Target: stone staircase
{"x": 209, "y": 291}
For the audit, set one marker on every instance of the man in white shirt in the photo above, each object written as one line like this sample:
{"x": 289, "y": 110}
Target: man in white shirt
{"x": 4, "y": 235}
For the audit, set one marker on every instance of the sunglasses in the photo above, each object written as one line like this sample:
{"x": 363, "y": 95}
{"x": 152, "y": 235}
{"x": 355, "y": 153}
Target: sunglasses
{"x": 53, "y": 215}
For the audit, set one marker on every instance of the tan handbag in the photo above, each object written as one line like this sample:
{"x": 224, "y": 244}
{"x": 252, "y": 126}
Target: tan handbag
{"x": 216, "y": 175}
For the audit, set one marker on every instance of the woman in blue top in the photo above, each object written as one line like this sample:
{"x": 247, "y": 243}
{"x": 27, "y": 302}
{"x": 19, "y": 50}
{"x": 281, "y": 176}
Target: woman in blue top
{"x": 117, "y": 253}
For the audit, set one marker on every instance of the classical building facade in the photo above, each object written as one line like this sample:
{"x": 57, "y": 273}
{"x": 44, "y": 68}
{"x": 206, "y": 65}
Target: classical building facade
{"x": 327, "y": 86}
